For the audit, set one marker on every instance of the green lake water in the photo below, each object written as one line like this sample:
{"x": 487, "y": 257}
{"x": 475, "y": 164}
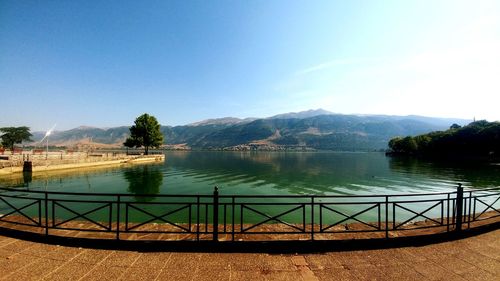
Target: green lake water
{"x": 265, "y": 173}
{"x": 254, "y": 173}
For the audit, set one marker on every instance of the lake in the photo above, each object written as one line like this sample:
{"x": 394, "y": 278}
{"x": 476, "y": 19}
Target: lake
{"x": 255, "y": 173}
{"x": 265, "y": 173}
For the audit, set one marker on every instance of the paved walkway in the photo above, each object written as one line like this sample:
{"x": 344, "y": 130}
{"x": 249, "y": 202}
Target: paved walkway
{"x": 475, "y": 258}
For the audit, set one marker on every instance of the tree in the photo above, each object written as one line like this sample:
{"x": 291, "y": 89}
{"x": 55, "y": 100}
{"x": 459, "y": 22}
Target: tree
{"x": 145, "y": 133}
{"x": 406, "y": 145}
{"x": 12, "y": 135}
{"x": 395, "y": 144}
{"x": 409, "y": 144}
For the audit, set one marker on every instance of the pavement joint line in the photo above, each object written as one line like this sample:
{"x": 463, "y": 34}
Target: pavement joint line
{"x": 26, "y": 265}
{"x": 303, "y": 268}
{"x": 64, "y": 264}
{"x": 11, "y": 242}
{"x": 19, "y": 269}
{"x": 163, "y": 267}
{"x": 431, "y": 262}
{"x": 96, "y": 265}
{"x": 130, "y": 267}
{"x": 7, "y": 242}
{"x": 132, "y": 264}
{"x": 466, "y": 261}
{"x": 479, "y": 253}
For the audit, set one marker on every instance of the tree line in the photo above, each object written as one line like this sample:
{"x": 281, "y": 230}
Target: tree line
{"x": 477, "y": 139}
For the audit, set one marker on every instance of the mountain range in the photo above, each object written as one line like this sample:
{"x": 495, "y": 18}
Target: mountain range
{"x": 307, "y": 130}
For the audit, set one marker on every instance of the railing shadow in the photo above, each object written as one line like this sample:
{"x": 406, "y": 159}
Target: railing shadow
{"x": 287, "y": 247}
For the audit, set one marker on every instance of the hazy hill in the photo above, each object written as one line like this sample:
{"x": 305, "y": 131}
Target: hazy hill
{"x": 222, "y": 121}
{"x": 86, "y": 134}
{"x": 335, "y": 132}
{"x": 314, "y": 129}
{"x": 302, "y": 114}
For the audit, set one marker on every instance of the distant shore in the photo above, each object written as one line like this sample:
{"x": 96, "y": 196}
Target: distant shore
{"x": 60, "y": 161}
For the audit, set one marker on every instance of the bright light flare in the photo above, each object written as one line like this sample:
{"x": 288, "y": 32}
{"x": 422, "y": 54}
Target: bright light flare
{"x": 49, "y": 132}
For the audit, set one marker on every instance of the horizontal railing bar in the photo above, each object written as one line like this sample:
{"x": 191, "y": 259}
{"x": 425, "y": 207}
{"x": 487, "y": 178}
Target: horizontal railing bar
{"x": 479, "y": 218}
{"x": 307, "y": 232}
{"x": 164, "y": 232}
{"x": 2, "y": 220}
{"x": 174, "y": 220}
{"x": 348, "y": 203}
{"x": 420, "y": 227}
{"x": 483, "y": 195}
{"x": 267, "y": 204}
{"x": 163, "y": 203}
{"x": 230, "y": 196}
{"x": 335, "y": 196}
{"x": 418, "y": 201}
{"x": 104, "y": 194}
{"x": 82, "y": 229}
{"x": 481, "y": 190}
{"x": 81, "y": 201}
{"x": 21, "y": 197}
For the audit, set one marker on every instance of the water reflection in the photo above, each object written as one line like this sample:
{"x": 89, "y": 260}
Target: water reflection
{"x": 257, "y": 173}
{"x": 296, "y": 173}
{"x": 323, "y": 173}
{"x": 73, "y": 180}
{"x": 144, "y": 180}
{"x": 474, "y": 174}
{"x": 27, "y": 178}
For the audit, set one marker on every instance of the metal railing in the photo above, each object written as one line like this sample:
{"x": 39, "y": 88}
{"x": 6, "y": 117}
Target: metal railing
{"x": 246, "y": 217}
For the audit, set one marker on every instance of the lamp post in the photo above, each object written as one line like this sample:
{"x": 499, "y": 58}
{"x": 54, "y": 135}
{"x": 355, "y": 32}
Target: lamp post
{"x": 47, "y": 137}
{"x": 47, "y": 134}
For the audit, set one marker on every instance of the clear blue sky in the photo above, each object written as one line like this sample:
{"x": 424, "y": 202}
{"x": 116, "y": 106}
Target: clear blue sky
{"x": 102, "y": 64}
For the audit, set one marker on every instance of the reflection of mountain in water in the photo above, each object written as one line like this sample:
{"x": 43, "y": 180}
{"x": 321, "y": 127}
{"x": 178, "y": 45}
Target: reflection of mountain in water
{"x": 289, "y": 172}
{"x": 144, "y": 180}
{"x": 321, "y": 173}
{"x": 258, "y": 173}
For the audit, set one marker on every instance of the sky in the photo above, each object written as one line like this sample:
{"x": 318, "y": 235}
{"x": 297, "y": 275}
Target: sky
{"x": 103, "y": 63}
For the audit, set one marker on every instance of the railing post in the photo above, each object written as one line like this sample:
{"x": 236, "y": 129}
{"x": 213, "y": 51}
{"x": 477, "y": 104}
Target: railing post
{"x": 386, "y": 216}
{"x": 216, "y": 215}
{"x": 448, "y": 212}
{"x": 118, "y": 202}
{"x": 47, "y": 213}
{"x": 470, "y": 208}
{"x": 312, "y": 217}
{"x": 460, "y": 199}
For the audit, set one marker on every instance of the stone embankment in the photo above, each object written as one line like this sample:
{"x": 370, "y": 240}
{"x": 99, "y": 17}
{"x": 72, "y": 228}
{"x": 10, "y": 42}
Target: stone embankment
{"x": 63, "y": 160}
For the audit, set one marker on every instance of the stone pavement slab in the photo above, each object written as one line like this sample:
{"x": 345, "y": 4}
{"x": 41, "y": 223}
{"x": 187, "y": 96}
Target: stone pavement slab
{"x": 473, "y": 258}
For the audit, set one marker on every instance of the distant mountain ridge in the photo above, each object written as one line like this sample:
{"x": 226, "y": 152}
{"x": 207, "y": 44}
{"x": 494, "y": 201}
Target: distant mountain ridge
{"x": 302, "y": 114}
{"x": 222, "y": 121}
{"x": 313, "y": 129}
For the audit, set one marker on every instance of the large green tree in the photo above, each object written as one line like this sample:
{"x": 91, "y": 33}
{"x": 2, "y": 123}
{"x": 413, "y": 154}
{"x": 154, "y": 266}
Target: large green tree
{"x": 145, "y": 133}
{"x": 478, "y": 139}
{"x": 12, "y": 135}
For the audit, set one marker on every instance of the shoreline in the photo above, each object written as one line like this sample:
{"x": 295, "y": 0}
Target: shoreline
{"x": 143, "y": 159}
